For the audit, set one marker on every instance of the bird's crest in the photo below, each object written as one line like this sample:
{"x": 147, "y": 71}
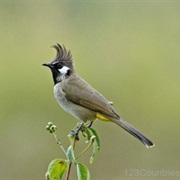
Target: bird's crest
{"x": 63, "y": 55}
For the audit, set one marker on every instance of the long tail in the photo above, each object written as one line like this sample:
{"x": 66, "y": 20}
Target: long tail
{"x": 130, "y": 129}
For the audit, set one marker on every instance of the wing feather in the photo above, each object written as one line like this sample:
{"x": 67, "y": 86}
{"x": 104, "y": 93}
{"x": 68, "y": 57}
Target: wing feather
{"x": 81, "y": 93}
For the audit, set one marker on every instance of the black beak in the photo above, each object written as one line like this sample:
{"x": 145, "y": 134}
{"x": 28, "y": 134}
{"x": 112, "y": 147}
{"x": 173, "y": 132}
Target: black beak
{"x": 47, "y": 64}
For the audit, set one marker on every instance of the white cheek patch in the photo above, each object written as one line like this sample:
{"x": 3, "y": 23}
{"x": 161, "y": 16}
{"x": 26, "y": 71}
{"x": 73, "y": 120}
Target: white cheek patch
{"x": 63, "y": 70}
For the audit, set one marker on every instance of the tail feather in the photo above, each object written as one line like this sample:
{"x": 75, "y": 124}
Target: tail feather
{"x": 130, "y": 129}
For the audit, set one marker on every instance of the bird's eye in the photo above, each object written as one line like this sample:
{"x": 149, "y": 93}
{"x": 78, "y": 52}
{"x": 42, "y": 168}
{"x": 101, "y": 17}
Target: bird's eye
{"x": 59, "y": 65}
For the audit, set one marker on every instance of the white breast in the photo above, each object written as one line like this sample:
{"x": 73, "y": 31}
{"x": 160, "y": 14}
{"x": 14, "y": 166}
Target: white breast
{"x": 60, "y": 96}
{"x": 63, "y": 102}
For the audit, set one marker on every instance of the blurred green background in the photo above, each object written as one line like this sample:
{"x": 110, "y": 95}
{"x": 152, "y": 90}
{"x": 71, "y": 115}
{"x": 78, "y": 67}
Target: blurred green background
{"x": 127, "y": 50}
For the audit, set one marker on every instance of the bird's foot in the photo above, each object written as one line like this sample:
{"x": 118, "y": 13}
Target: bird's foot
{"x": 89, "y": 124}
{"x": 76, "y": 132}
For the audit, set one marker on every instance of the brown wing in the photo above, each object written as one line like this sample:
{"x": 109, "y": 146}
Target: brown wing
{"x": 81, "y": 93}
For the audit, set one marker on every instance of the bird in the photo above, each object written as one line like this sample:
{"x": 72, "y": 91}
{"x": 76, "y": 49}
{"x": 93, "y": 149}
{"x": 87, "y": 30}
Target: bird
{"x": 80, "y": 99}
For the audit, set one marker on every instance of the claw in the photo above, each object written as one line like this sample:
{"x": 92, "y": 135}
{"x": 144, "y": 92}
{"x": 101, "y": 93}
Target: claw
{"x": 76, "y": 133}
{"x": 90, "y": 124}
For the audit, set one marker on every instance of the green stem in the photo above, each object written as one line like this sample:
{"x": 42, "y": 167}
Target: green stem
{"x": 70, "y": 162}
{"x": 89, "y": 145}
{"x": 60, "y": 144}
{"x": 68, "y": 171}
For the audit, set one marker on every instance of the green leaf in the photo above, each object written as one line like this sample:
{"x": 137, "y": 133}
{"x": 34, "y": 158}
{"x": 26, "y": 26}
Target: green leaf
{"x": 88, "y": 133}
{"x": 70, "y": 154}
{"x": 71, "y": 138}
{"x": 56, "y": 169}
{"x": 96, "y": 144}
{"x": 82, "y": 172}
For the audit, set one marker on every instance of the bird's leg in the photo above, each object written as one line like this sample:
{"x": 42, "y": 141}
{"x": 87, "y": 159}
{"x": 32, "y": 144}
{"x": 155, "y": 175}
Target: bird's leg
{"x": 76, "y": 132}
{"x": 90, "y": 124}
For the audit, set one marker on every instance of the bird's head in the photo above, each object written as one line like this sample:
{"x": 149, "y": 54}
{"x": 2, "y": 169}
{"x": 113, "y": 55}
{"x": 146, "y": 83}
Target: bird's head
{"x": 62, "y": 65}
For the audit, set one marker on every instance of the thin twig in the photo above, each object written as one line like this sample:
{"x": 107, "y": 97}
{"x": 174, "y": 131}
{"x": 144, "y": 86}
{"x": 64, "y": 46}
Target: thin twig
{"x": 60, "y": 144}
{"x": 68, "y": 171}
{"x": 88, "y": 146}
{"x": 70, "y": 162}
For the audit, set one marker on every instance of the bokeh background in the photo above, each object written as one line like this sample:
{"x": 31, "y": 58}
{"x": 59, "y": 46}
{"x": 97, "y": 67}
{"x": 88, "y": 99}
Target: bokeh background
{"x": 127, "y": 50}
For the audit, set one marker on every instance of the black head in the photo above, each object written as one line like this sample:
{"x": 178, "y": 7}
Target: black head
{"x": 62, "y": 65}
